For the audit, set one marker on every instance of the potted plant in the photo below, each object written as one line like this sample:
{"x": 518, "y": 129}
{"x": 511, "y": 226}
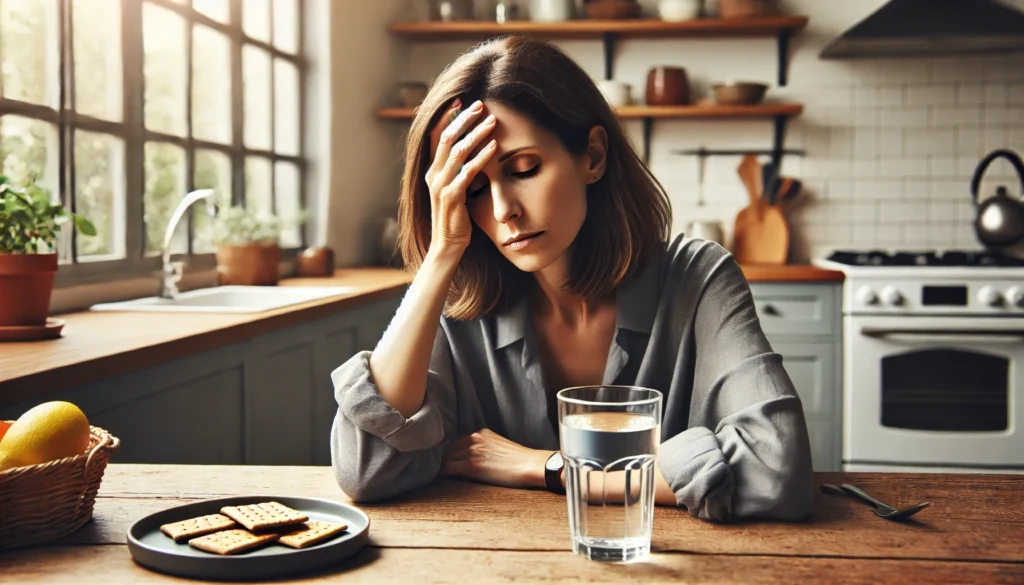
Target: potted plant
{"x": 248, "y": 249}
{"x": 29, "y": 226}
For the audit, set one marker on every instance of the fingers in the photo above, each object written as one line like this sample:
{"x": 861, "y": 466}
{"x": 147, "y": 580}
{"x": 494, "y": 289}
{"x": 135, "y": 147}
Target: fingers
{"x": 446, "y": 119}
{"x": 460, "y": 184}
{"x": 451, "y": 133}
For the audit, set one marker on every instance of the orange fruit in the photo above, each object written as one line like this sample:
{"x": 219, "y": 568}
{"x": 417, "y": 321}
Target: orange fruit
{"x": 4, "y": 425}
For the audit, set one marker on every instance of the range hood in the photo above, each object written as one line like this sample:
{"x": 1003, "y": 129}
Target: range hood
{"x": 917, "y": 28}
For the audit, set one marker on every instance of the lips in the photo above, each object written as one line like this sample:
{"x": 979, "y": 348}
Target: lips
{"x": 521, "y": 237}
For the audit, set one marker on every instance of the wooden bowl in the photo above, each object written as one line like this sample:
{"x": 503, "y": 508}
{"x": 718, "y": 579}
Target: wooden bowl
{"x": 746, "y": 8}
{"x": 612, "y": 9}
{"x": 739, "y": 93}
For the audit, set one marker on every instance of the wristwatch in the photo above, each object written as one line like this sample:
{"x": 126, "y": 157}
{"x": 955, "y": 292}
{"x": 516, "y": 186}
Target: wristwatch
{"x": 552, "y": 469}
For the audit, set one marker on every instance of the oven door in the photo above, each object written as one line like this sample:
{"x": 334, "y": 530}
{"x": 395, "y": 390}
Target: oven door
{"x": 933, "y": 391}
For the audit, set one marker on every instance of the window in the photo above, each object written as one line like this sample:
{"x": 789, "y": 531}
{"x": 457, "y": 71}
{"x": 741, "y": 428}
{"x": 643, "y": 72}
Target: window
{"x": 121, "y": 107}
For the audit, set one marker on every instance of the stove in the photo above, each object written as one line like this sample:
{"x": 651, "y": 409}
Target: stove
{"x": 933, "y": 360}
{"x": 949, "y": 258}
{"x": 929, "y": 282}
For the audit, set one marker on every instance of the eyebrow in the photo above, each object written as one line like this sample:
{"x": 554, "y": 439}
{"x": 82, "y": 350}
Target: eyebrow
{"x": 512, "y": 153}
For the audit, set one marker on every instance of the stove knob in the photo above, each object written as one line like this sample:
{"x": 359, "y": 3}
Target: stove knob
{"x": 1015, "y": 296}
{"x": 990, "y": 296}
{"x": 891, "y": 296}
{"x": 866, "y": 296}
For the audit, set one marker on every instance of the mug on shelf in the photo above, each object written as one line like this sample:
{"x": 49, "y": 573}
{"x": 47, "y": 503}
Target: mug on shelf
{"x": 617, "y": 93}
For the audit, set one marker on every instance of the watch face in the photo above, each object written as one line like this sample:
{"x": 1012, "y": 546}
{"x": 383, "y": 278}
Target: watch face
{"x": 555, "y": 461}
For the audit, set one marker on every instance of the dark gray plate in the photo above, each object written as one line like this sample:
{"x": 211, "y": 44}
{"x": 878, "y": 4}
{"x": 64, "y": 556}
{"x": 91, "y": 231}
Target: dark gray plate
{"x": 155, "y": 550}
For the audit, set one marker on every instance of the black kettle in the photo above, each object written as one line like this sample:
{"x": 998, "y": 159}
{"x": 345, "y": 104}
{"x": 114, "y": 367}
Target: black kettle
{"x": 998, "y": 220}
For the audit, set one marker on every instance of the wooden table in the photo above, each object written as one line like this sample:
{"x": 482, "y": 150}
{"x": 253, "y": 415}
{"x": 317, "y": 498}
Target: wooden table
{"x": 462, "y": 532}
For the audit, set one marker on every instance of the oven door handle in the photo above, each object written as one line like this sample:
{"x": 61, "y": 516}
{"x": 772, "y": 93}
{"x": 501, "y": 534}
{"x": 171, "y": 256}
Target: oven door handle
{"x": 948, "y": 335}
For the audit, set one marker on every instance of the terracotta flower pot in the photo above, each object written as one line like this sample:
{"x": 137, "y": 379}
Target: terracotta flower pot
{"x": 250, "y": 265}
{"x": 26, "y": 285}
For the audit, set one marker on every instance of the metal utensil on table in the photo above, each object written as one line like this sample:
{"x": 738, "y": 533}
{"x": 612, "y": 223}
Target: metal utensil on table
{"x": 880, "y": 508}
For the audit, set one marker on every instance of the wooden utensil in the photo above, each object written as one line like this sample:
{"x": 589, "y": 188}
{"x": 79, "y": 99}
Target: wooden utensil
{"x": 760, "y": 234}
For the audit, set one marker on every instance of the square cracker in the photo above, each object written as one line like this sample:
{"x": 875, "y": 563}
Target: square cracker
{"x": 199, "y": 526}
{"x": 264, "y": 515}
{"x": 310, "y": 533}
{"x": 228, "y": 542}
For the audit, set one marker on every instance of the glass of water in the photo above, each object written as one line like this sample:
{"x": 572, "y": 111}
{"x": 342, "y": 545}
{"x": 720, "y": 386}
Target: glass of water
{"x": 609, "y": 438}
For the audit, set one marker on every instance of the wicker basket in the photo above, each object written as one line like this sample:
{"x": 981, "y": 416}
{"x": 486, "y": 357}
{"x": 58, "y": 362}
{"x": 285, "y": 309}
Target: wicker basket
{"x": 41, "y": 503}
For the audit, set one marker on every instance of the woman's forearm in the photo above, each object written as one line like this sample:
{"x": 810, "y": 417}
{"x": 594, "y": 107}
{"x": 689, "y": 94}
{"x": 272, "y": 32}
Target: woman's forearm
{"x": 400, "y": 362}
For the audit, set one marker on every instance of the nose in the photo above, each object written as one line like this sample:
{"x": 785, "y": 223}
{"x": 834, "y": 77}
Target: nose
{"x": 506, "y": 206}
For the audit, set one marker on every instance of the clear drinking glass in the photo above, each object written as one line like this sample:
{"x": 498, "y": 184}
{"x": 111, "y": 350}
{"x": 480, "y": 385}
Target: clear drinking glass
{"x": 609, "y": 438}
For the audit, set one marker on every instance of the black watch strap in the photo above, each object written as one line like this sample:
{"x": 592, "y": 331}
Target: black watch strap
{"x": 552, "y": 469}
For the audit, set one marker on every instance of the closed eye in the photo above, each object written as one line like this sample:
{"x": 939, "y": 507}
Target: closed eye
{"x": 527, "y": 174}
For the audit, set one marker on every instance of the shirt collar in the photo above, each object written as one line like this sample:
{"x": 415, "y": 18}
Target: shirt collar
{"x": 636, "y": 304}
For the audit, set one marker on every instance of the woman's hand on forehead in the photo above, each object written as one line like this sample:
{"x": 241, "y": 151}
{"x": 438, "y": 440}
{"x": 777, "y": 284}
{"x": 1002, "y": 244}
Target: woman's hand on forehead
{"x": 449, "y": 116}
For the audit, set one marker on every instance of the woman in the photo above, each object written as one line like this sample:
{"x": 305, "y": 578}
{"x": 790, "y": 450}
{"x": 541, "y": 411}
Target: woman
{"x": 539, "y": 240}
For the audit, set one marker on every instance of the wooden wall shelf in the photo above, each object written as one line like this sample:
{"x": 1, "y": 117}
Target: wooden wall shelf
{"x": 767, "y": 111}
{"x": 595, "y": 29}
{"x": 779, "y": 27}
{"x": 779, "y": 113}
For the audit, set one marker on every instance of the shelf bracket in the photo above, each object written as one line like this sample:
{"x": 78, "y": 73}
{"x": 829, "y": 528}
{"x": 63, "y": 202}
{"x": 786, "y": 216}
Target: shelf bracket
{"x": 608, "y": 39}
{"x": 779, "y": 140}
{"x": 648, "y": 126}
{"x": 783, "y": 55}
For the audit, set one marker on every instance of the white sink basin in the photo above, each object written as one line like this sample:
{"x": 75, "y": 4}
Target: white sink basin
{"x": 228, "y": 299}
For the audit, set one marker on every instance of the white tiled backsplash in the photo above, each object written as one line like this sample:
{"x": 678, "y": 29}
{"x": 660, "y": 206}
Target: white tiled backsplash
{"x": 891, "y": 144}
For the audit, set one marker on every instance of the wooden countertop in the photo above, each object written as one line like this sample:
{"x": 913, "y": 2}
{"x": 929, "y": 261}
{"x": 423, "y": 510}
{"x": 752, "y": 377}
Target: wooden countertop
{"x": 473, "y": 533}
{"x": 790, "y": 273}
{"x": 98, "y": 345}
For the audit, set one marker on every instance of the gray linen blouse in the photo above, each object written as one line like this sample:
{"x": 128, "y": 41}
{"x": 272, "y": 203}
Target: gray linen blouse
{"x": 734, "y": 438}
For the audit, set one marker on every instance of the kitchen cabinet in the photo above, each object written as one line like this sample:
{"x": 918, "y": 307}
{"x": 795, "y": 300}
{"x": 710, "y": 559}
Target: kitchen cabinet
{"x": 803, "y": 323}
{"x": 266, "y": 401}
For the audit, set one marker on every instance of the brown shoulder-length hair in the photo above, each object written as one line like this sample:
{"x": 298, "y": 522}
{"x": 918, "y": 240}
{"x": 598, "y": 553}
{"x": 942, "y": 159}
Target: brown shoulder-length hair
{"x": 628, "y": 214}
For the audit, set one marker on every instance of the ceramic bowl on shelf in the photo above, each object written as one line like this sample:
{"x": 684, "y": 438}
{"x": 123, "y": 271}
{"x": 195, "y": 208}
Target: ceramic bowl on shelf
{"x": 746, "y": 8}
{"x": 617, "y": 93}
{"x": 679, "y": 10}
{"x": 739, "y": 93}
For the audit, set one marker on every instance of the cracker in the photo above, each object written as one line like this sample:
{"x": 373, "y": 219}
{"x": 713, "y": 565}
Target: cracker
{"x": 264, "y": 515}
{"x": 199, "y": 526}
{"x": 229, "y": 542}
{"x": 310, "y": 533}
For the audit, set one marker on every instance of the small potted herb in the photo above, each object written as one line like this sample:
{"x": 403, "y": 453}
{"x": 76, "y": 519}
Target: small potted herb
{"x": 29, "y": 226}
{"x": 248, "y": 249}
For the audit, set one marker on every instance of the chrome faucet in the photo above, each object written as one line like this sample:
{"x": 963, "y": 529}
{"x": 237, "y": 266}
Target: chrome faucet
{"x": 172, "y": 271}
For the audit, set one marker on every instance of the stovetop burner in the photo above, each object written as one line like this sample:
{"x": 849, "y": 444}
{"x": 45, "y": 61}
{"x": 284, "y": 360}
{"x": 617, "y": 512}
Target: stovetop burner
{"x": 957, "y": 258}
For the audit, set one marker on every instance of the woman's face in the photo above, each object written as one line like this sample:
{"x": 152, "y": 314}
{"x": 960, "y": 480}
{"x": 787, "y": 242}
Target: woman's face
{"x": 531, "y": 198}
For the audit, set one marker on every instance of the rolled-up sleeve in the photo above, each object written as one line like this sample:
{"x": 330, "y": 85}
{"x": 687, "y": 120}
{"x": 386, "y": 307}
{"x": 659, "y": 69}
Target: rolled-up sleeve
{"x": 746, "y": 452}
{"x": 376, "y": 452}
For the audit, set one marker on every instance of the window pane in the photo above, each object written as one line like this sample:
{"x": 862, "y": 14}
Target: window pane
{"x": 286, "y": 29}
{"x": 165, "y": 187}
{"x": 286, "y": 107}
{"x": 258, "y": 184}
{"x": 215, "y": 9}
{"x": 163, "y": 37}
{"x": 211, "y": 85}
{"x": 256, "y": 19}
{"x": 30, "y": 48}
{"x": 256, "y": 84}
{"x": 99, "y": 175}
{"x": 29, "y": 151}
{"x": 286, "y": 193}
{"x": 97, "y": 46}
{"x": 213, "y": 171}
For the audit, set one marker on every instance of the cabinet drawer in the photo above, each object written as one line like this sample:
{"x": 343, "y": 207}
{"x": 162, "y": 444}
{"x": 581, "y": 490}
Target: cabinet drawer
{"x": 789, "y": 309}
{"x": 812, "y": 368}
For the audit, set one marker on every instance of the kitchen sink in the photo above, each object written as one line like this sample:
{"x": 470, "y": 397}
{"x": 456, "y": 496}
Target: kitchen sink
{"x": 228, "y": 299}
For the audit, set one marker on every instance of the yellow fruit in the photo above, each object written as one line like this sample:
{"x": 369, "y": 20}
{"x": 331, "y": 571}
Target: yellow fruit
{"x": 52, "y": 430}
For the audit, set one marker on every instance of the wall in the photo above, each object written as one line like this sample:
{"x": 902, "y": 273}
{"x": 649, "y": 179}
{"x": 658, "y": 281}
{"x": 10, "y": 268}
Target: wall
{"x": 358, "y": 163}
{"x": 891, "y": 144}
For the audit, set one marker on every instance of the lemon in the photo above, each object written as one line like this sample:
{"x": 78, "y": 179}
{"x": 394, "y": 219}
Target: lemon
{"x": 52, "y": 430}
